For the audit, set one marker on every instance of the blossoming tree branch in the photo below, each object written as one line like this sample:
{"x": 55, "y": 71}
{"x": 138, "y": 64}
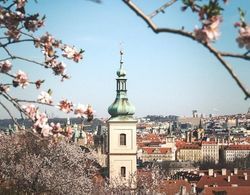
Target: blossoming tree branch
{"x": 209, "y": 14}
{"x": 17, "y": 27}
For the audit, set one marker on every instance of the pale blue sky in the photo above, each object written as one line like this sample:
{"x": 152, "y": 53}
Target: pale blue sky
{"x": 167, "y": 74}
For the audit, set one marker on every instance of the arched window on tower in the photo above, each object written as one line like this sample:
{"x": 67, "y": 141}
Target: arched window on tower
{"x": 123, "y": 171}
{"x": 123, "y": 139}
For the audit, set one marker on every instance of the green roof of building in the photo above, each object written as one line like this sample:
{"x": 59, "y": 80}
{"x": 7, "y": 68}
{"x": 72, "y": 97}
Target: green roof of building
{"x": 121, "y": 106}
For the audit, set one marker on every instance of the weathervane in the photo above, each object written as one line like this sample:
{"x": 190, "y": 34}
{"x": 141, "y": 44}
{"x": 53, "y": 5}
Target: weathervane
{"x": 121, "y": 55}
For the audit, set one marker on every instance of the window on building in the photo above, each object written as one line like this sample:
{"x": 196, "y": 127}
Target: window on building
{"x": 123, "y": 171}
{"x": 123, "y": 139}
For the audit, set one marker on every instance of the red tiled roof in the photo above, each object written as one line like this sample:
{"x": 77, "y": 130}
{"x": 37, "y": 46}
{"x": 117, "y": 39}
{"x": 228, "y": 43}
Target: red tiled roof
{"x": 238, "y": 147}
{"x": 140, "y": 145}
{"x": 222, "y": 180}
{"x": 173, "y": 186}
{"x": 228, "y": 172}
{"x": 190, "y": 146}
{"x": 156, "y": 150}
{"x": 208, "y": 142}
{"x": 242, "y": 190}
{"x": 180, "y": 143}
{"x": 151, "y": 136}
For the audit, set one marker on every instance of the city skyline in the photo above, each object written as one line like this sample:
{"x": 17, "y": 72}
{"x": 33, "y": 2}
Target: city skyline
{"x": 167, "y": 74}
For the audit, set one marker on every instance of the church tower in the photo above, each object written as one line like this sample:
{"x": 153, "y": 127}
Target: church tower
{"x": 121, "y": 134}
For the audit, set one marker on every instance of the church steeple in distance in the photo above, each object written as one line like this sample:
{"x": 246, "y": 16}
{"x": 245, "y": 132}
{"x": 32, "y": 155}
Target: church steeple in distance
{"x": 121, "y": 107}
{"x": 122, "y": 134}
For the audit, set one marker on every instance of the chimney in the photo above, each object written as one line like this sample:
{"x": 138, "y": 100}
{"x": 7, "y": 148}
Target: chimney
{"x": 183, "y": 190}
{"x": 228, "y": 179}
{"x": 245, "y": 176}
{"x": 193, "y": 189}
{"x": 210, "y": 172}
{"x": 235, "y": 171}
{"x": 223, "y": 171}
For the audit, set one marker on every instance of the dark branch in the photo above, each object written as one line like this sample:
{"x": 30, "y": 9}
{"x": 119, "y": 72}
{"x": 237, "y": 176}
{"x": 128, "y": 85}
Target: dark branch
{"x": 244, "y": 57}
{"x": 6, "y": 109}
{"x": 162, "y": 8}
{"x": 216, "y": 53}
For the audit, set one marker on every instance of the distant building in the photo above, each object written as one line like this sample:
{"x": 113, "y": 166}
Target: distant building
{"x": 150, "y": 154}
{"x": 231, "y": 152}
{"x": 210, "y": 151}
{"x": 79, "y": 135}
{"x": 189, "y": 152}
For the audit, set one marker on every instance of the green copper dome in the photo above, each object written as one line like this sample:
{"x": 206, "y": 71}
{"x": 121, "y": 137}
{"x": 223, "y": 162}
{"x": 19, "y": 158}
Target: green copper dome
{"x": 121, "y": 105}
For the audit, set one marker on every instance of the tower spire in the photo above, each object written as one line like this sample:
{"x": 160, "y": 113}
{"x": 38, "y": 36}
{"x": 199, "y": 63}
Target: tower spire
{"x": 121, "y": 105}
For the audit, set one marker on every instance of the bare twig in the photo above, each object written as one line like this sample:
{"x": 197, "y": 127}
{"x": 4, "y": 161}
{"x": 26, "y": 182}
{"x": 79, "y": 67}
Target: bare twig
{"x": 181, "y": 32}
{"x": 35, "y": 102}
{"x": 28, "y": 60}
{"x": 162, "y": 8}
{"x": 153, "y": 26}
{"x": 7, "y": 110}
{"x": 7, "y": 51}
{"x": 9, "y": 58}
{"x": 229, "y": 69}
{"x": 14, "y": 103}
{"x": 17, "y": 41}
{"x": 226, "y": 54}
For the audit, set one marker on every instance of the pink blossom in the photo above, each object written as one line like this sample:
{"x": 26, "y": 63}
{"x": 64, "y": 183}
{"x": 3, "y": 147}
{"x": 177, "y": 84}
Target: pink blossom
{"x": 5, "y": 66}
{"x": 80, "y": 110}
{"x": 46, "y": 39}
{"x": 69, "y": 52}
{"x": 30, "y": 110}
{"x": 38, "y": 83}
{"x": 72, "y": 53}
{"x": 237, "y": 24}
{"x": 44, "y": 97}
{"x": 210, "y": 30}
{"x": 77, "y": 57}
{"x": 33, "y": 25}
{"x": 4, "y": 88}
{"x": 41, "y": 120}
{"x": 20, "y": 3}
{"x": 65, "y": 106}
{"x": 90, "y": 113}
{"x": 55, "y": 127}
{"x": 200, "y": 35}
{"x": 69, "y": 130}
{"x": 59, "y": 69}
{"x": 46, "y": 130}
{"x": 244, "y": 37}
{"x": 21, "y": 79}
{"x": 13, "y": 34}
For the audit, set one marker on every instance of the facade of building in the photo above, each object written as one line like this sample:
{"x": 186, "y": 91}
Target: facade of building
{"x": 150, "y": 154}
{"x": 122, "y": 146}
{"x": 189, "y": 152}
{"x": 210, "y": 151}
{"x": 231, "y": 152}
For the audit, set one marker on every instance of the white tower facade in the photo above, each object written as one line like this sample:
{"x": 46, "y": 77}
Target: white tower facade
{"x": 122, "y": 136}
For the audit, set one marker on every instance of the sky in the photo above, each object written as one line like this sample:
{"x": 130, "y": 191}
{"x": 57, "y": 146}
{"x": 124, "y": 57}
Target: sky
{"x": 167, "y": 74}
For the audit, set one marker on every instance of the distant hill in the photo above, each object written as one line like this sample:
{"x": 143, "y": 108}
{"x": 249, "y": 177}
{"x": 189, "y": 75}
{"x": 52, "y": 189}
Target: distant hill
{"x": 90, "y": 126}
